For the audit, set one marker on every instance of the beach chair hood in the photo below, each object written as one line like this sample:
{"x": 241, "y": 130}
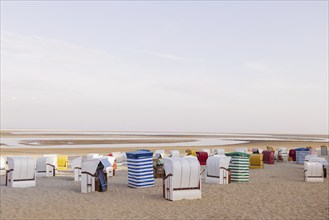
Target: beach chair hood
{"x": 216, "y": 162}
{"x": 90, "y": 166}
{"x": 76, "y": 162}
{"x": 185, "y": 171}
{"x": 23, "y": 167}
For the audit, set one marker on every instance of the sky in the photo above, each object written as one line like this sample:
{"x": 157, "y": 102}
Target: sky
{"x": 181, "y": 66}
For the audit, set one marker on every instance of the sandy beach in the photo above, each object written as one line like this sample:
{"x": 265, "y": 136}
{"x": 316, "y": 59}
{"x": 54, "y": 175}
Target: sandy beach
{"x": 276, "y": 192}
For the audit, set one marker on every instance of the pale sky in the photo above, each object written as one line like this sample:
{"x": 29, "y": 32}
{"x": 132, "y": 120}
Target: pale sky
{"x": 215, "y": 66}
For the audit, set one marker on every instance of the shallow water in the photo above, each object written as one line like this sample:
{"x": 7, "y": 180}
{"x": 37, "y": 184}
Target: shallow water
{"x": 226, "y": 139}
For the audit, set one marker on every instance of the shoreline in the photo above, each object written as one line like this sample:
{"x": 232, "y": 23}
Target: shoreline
{"x": 106, "y": 150}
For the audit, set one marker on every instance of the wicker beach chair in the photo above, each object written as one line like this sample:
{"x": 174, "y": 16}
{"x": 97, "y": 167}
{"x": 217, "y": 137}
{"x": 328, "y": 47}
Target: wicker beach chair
{"x": 182, "y": 179}
{"x": 217, "y": 169}
{"x": 21, "y": 172}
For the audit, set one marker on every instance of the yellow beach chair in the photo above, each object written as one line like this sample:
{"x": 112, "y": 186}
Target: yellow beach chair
{"x": 256, "y": 161}
{"x": 191, "y": 153}
{"x": 62, "y": 162}
{"x": 270, "y": 148}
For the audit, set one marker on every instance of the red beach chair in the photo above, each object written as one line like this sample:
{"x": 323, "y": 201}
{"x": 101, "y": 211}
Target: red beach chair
{"x": 202, "y": 157}
{"x": 268, "y": 156}
{"x": 292, "y": 154}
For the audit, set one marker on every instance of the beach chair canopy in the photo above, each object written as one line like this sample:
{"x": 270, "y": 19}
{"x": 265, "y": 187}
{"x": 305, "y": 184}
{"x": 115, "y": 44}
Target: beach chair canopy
{"x": 321, "y": 160}
{"x": 110, "y": 159}
{"x": 140, "y": 169}
{"x": 215, "y": 163}
{"x": 185, "y": 171}
{"x": 139, "y": 154}
{"x": 90, "y": 166}
{"x": 76, "y": 162}
{"x": 237, "y": 154}
{"x": 302, "y": 149}
{"x": 23, "y": 167}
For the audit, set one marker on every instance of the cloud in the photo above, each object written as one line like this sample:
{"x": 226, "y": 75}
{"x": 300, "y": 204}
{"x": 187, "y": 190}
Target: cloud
{"x": 169, "y": 56}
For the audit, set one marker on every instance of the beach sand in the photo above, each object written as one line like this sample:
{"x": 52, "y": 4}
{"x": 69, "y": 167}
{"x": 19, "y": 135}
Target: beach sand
{"x": 275, "y": 192}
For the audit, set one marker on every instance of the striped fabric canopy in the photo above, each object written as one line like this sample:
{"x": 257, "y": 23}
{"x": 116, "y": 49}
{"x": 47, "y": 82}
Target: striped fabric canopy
{"x": 239, "y": 168}
{"x": 140, "y": 169}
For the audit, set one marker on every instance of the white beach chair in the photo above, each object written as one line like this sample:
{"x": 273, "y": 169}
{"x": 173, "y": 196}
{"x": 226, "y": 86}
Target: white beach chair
{"x": 93, "y": 156}
{"x": 309, "y": 156}
{"x": 76, "y": 166}
{"x": 182, "y": 179}
{"x": 174, "y": 153}
{"x": 52, "y": 159}
{"x": 217, "y": 169}
{"x": 21, "y": 172}
{"x": 90, "y": 170}
{"x": 120, "y": 157}
{"x": 158, "y": 153}
{"x": 45, "y": 166}
{"x": 313, "y": 172}
{"x": 242, "y": 150}
{"x": 2, "y": 165}
{"x": 219, "y": 151}
{"x": 321, "y": 160}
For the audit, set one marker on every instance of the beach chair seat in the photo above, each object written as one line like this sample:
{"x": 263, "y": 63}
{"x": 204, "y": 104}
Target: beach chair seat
{"x": 182, "y": 180}
{"x": 217, "y": 169}
{"x": 313, "y": 172}
{"x": 62, "y": 162}
{"x": 21, "y": 172}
